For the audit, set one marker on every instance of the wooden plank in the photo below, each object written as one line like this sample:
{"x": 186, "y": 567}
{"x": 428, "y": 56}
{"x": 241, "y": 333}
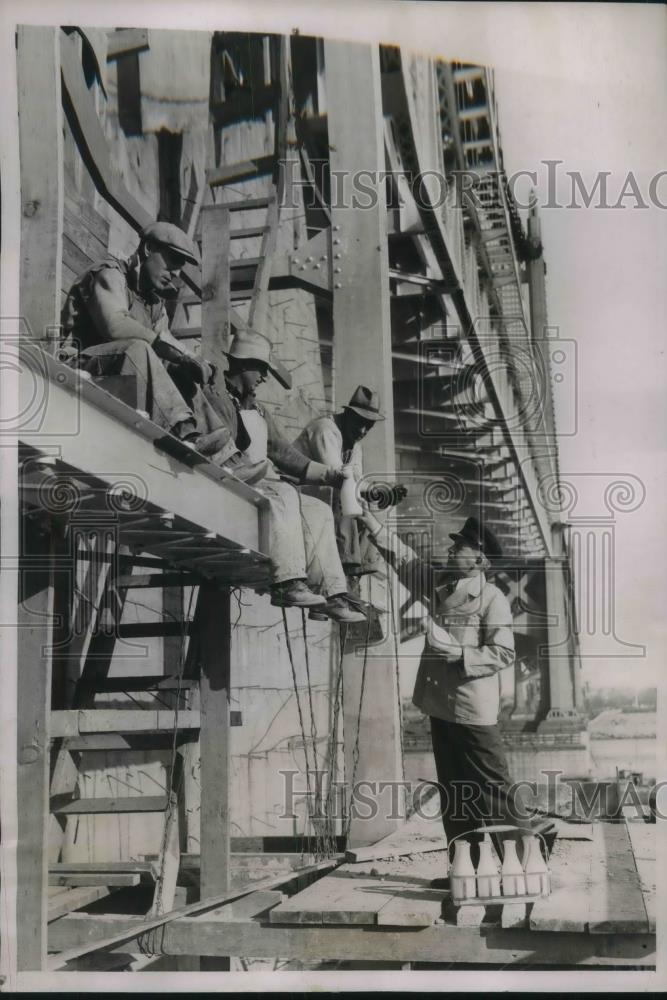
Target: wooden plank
{"x": 104, "y": 742}
{"x": 100, "y": 867}
{"x": 335, "y": 899}
{"x": 359, "y": 894}
{"x": 438, "y": 944}
{"x": 361, "y": 301}
{"x": 148, "y": 581}
{"x": 127, "y": 804}
{"x": 168, "y": 863}
{"x": 215, "y": 307}
{"x": 249, "y": 907}
{"x": 566, "y": 908}
{"x": 41, "y": 155}
{"x": 130, "y": 929}
{"x": 117, "y": 879}
{"x": 212, "y": 618}
{"x": 643, "y": 839}
{"x": 413, "y": 908}
{"x": 35, "y": 642}
{"x": 80, "y": 415}
{"x": 616, "y": 899}
{"x": 154, "y": 682}
{"x": 76, "y": 207}
{"x": 67, "y": 900}
{"x": 73, "y": 722}
{"x": 124, "y": 41}
{"x": 241, "y": 170}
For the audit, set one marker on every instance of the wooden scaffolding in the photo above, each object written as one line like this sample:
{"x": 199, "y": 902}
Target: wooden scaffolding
{"x": 111, "y": 507}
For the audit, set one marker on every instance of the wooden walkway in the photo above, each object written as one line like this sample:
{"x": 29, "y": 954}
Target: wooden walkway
{"x": 381, "y": 908}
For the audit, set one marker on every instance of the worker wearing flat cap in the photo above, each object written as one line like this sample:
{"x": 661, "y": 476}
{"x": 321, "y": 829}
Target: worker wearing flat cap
{"x": 336, "y": 441}
{"x": 469, "y": 641}
{"x": 115, "y": 315}
{"x": 306, "y": 567}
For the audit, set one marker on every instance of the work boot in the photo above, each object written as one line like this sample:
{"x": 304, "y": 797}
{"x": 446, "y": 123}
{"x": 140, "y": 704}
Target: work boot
{"x": 339, "y": 610}
{"x": 295, "y": 594}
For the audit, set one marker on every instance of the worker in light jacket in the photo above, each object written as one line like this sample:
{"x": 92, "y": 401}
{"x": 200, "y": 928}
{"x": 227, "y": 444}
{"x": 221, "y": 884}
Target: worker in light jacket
{"x": 468, "y": 642}
{"x": 335, "y": 440}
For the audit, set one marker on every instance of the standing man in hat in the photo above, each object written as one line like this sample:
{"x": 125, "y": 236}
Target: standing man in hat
{"x": 116, "y": 317}
{"x": 468, "y": 642}
{"x": 335, "y": 441}
{"x": 307, "y": 571}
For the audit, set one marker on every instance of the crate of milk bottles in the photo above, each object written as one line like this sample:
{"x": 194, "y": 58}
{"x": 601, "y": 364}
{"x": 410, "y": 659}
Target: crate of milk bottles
{"x": 521, "y": 875}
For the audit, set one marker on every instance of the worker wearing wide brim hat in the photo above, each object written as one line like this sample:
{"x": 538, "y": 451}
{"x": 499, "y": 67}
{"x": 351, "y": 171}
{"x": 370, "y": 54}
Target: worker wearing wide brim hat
{"x": 306, "y": 568}
{"x": 336, "y": 441}
{"x": 117, "y": 325}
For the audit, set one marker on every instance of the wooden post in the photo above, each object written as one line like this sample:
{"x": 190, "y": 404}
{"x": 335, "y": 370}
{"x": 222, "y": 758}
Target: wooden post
{"x": 213, "y": 632}
{"x": 362, "y": 345}
{"x": 215, "y": 311}
{"x": 35, "y": 636}
{"x": 41, "y": 142}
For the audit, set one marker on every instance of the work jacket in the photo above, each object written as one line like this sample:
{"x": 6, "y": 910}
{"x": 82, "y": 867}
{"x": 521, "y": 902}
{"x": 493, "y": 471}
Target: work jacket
{"x": 322, "y": 441}
{"x": 477, "y": 616}
{"x": 92, "y": 315}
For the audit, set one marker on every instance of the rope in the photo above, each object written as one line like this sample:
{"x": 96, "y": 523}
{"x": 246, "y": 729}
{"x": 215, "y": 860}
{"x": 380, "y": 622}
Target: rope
{"x": 398, "y": 674}
{"x": 355, "y": 751}
{"x": 147, "y": 943}
{"x": 313, "y": 729}
{"x": 329, "y": 821}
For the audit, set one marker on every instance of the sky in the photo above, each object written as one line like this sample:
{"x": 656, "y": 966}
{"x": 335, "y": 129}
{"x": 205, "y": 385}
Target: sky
{"x": 605, "y": 289}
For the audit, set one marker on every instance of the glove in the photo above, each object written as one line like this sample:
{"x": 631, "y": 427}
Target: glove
{"x": 334, "y": 477}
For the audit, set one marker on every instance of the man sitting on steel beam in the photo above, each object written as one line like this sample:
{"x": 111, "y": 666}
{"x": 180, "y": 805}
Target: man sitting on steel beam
{"x": 115, "y": 316}
{"x": 302, "y": 541}
{"x": 335, "y": 440}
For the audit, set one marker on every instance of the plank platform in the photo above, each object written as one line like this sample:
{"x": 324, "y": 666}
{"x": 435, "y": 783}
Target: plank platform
{"x": 362, "y": 897}
{"x": 617, "y": 901}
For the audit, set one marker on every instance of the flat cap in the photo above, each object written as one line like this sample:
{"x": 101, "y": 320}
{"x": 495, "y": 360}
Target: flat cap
{"x": 169, "y": 235}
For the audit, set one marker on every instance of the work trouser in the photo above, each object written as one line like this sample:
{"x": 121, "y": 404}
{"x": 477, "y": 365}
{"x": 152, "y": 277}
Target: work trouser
{"x": 357, "y": 552}
{"x": 302, "y": 540}
{"x": 157, "y": 393}
{"x": 474, "y": 782}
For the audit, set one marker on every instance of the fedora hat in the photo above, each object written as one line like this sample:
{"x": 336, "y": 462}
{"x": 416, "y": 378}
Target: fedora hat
{"x": 364, "y": 401}
{"x": 166, "y": 234}
{"x": 248, "y": 345}
{"x": 477, "y": 537}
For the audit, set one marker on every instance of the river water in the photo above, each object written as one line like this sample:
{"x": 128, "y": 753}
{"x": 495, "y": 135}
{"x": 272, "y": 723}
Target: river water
{"x": 636, "y": 754}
